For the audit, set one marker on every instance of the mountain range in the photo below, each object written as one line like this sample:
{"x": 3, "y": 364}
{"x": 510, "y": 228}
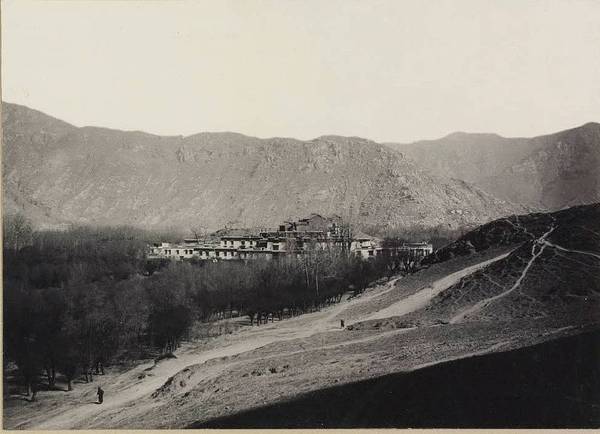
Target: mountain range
{"x": 548, "y": 172}
{"x": 56, "y": 173}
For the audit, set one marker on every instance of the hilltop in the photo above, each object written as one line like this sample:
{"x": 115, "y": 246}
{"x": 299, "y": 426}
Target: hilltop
{"x": 547, "y": 172}
{"x": 58, "y": 173}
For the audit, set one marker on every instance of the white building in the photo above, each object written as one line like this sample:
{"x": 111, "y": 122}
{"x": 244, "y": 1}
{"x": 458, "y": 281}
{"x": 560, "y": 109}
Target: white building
{"x": 314, "y": 232}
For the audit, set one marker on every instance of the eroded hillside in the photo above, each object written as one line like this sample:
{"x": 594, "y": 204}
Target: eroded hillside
{"x": 552, "y": 270}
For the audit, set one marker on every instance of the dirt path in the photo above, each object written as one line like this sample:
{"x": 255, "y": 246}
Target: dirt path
{"x": 581, "y": 252}
{"x": 126, "y": 389}
{"x": 422, "y": 298}
{"x": 160, "y": 374}
{"x": 535, "y": 253}
{"x": 249, "y": 339}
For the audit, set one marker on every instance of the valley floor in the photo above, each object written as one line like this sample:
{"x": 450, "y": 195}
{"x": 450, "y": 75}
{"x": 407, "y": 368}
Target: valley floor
{"x": 256, "y": 367}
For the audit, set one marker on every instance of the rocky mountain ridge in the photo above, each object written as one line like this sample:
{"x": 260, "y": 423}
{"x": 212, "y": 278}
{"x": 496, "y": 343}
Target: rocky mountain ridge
{"x": 57, "y": 173}
{"x": 547, "y": 172}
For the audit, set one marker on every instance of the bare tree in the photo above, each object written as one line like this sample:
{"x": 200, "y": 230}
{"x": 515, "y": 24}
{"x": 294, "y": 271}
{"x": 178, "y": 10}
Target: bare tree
{"x": 17, "y": 231}
{"x": 199, "y": 232}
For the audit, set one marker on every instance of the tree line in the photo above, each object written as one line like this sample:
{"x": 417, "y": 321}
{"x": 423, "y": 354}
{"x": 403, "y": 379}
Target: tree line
{"x": 78, "y": 300}
{"x": 438, "y": 236}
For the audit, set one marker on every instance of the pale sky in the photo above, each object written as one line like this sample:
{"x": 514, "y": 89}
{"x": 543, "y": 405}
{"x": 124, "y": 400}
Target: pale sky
{"x": 384, "y": 70}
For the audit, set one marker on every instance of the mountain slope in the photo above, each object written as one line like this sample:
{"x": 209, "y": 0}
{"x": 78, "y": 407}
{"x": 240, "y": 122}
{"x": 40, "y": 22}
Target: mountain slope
{"x": 564, "y": 170}
{"x": 467, "y": 156}
{"x": 102, "y": 176}
{"x": 546, "y": 172}
{"x": 553, "y": 270}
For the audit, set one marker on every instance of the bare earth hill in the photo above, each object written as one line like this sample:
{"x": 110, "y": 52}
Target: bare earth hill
{"x": 548, "y": 172}
{"x": 57, "y": 173}
{"x": 552, "y": 270}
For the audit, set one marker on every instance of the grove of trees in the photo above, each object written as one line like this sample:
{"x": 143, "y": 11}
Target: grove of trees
{"x": 78, "y": 300}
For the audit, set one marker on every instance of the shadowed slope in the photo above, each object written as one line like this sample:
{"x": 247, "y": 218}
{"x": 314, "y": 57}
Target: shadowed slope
{"x": 534, "y": 387}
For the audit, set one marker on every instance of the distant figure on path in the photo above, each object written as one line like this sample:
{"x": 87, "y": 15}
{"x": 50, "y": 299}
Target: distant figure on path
{"x": 342, "y": 323}
{"x": 100, "y": 395}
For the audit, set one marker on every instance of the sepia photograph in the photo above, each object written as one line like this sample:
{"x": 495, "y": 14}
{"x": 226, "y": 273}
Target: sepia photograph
{"x": 270, "y": 214}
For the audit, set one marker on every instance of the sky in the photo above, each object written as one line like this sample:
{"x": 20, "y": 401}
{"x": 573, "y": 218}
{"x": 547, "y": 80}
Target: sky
{"x": 385, "y": 70}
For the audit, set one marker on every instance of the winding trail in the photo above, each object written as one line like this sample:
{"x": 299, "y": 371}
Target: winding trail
{"x": 249, "y": 339}
{"x": 581, "y": 252}
{"x": 542, "y": 244}
{"x": 420, "y": 299}
{"x": 126, "y": 389}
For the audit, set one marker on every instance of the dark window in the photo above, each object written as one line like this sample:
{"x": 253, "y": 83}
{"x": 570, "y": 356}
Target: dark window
{"x": 370, "y": 252}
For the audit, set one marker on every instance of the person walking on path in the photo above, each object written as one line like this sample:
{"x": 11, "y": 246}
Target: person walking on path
{"x": 100, "y": 395}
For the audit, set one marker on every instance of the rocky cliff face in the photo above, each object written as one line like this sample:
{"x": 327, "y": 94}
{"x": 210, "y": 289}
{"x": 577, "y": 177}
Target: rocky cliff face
{"x": 563, "y": 171}
{"x": 547, "y": 172}
{"x": 56, "y": 173}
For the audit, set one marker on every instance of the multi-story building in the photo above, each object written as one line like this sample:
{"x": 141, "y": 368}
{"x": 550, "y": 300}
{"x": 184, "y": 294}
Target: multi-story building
{"x": 291, "y": 238}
